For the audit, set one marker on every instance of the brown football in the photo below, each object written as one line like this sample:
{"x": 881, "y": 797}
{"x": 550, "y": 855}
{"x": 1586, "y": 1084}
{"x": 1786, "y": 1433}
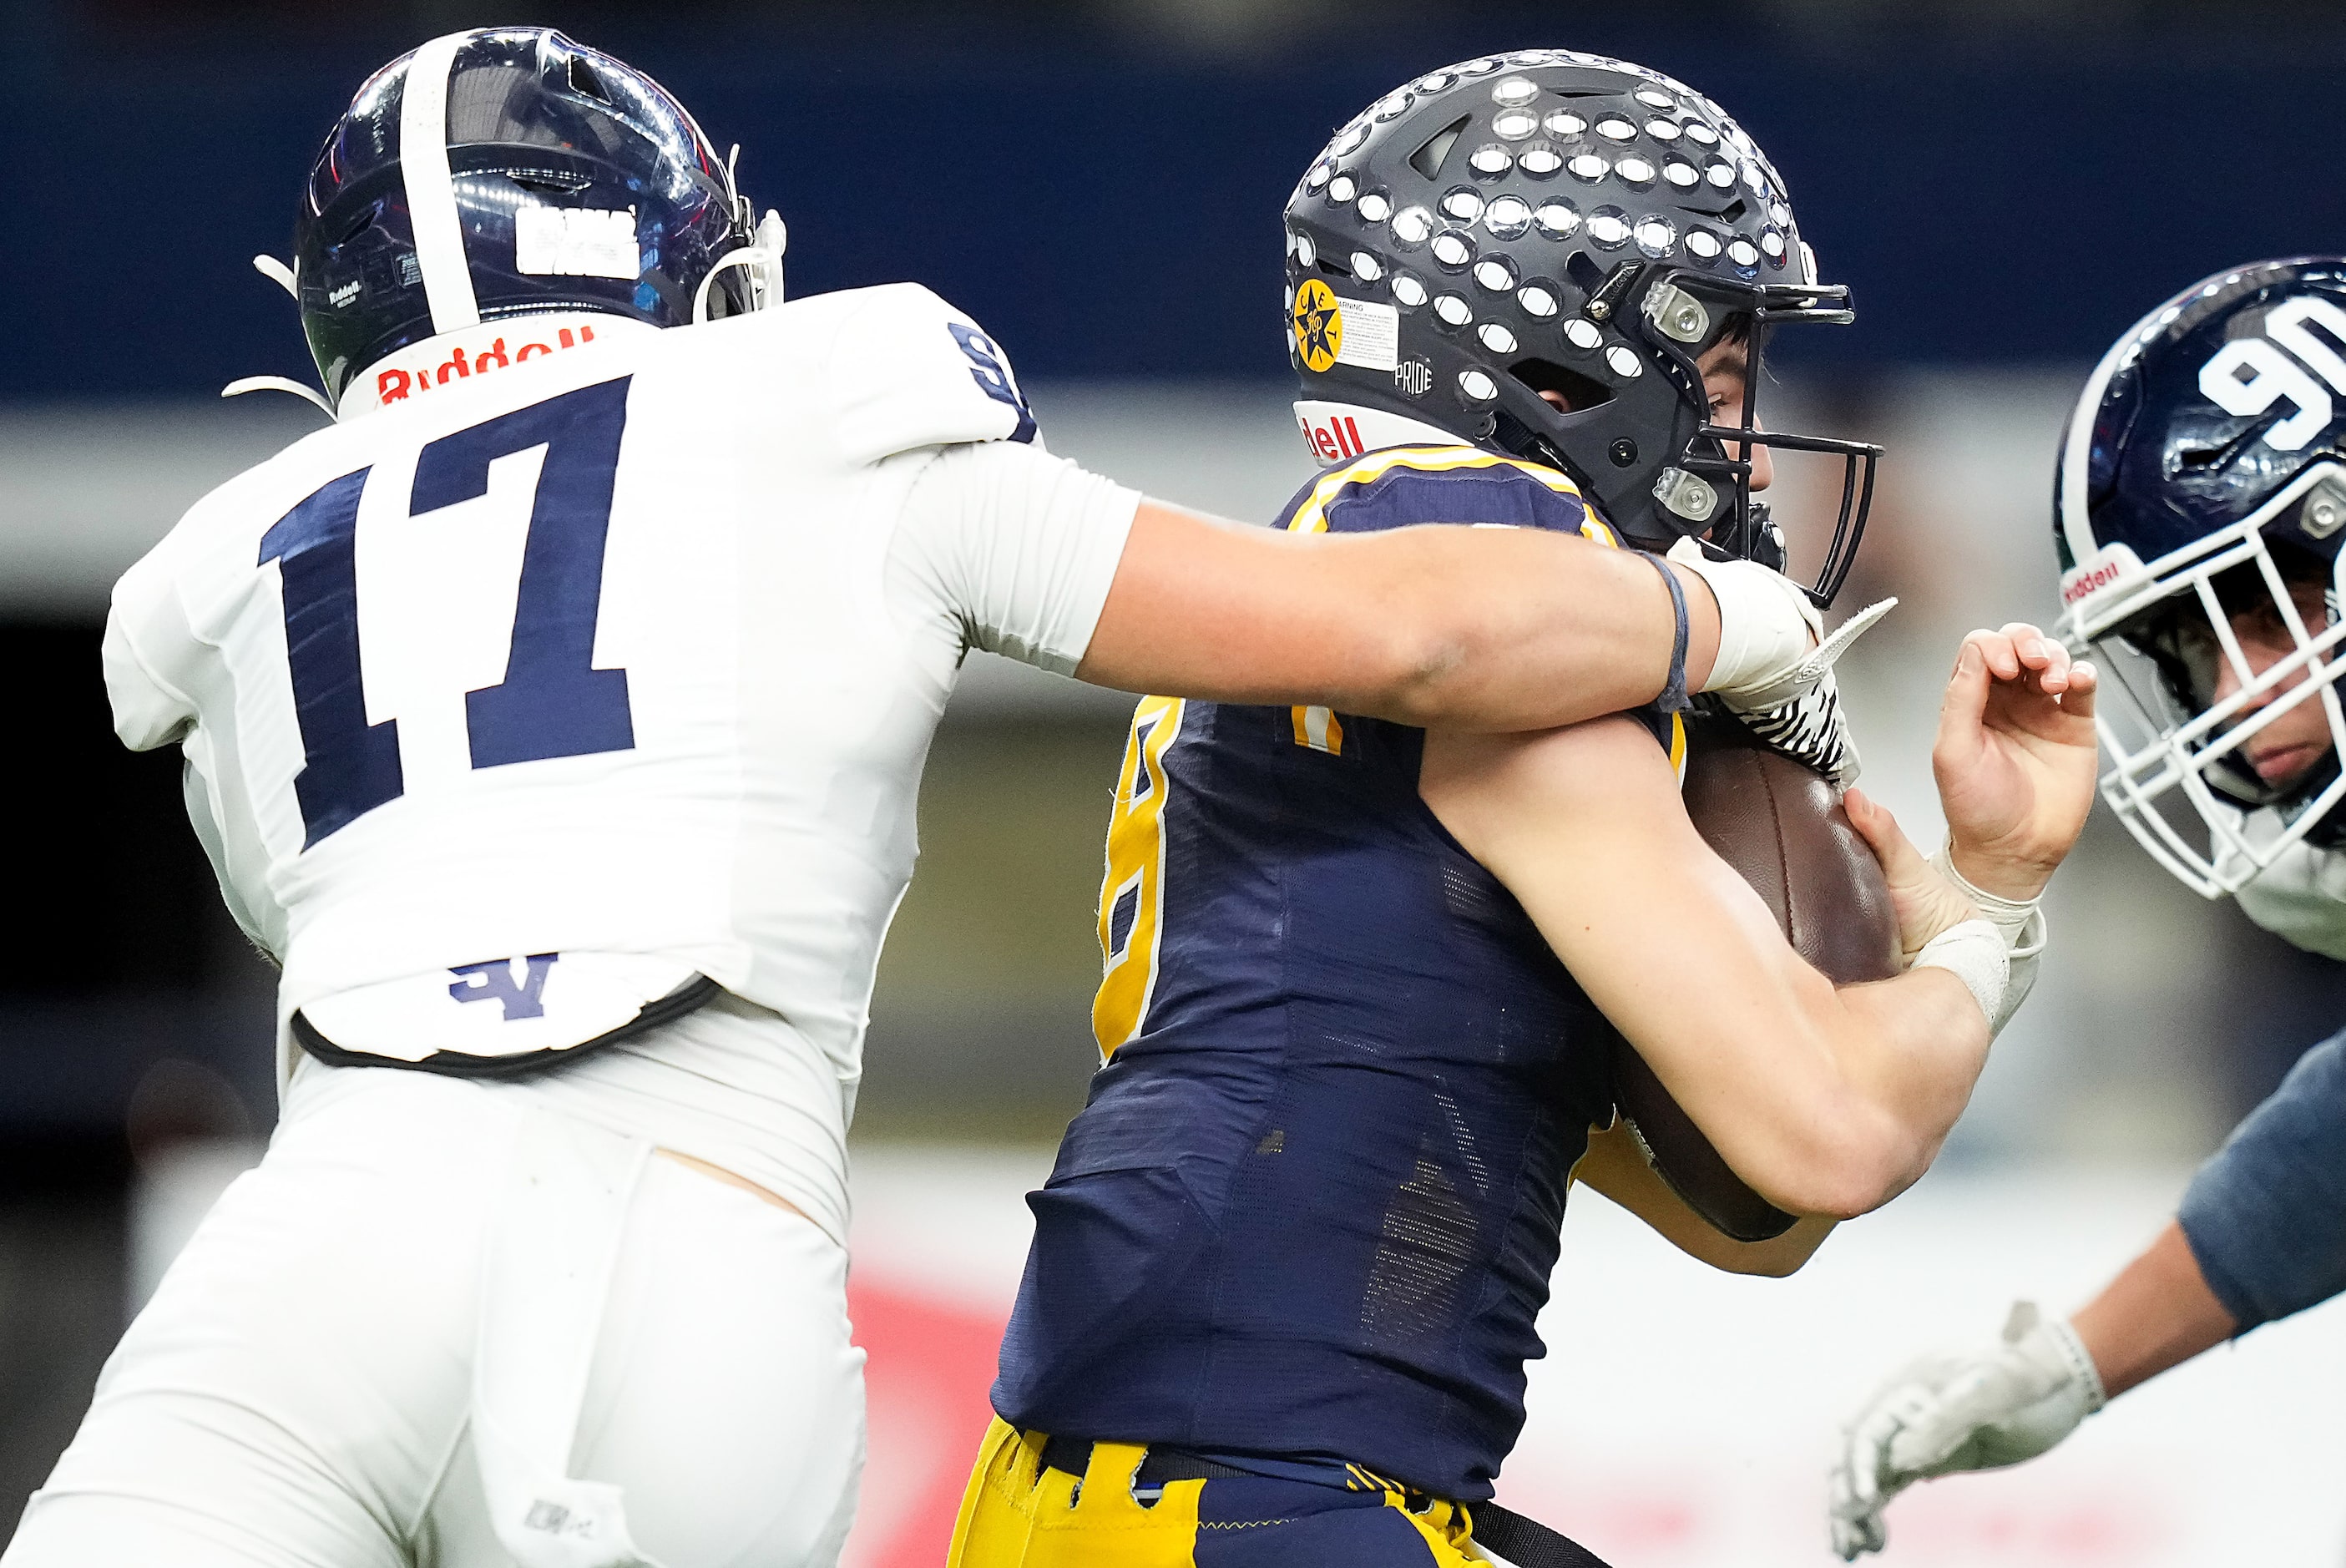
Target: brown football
{"x": 1782, "y": 828}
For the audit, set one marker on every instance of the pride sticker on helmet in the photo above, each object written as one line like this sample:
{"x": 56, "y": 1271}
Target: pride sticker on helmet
{"x": 1331, "y": 329}
{"x": 2106, "y": 568}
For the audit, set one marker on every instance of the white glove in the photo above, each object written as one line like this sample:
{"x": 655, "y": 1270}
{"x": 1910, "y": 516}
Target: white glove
{"x": 1979, "y": 1409}
{"x": 1774, "y": 670}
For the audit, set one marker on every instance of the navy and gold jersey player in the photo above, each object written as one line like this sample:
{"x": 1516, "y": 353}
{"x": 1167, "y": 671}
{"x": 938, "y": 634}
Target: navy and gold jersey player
{"x": 1303, "y": 1227}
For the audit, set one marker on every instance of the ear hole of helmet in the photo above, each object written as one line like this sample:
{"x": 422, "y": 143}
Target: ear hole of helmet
{"x": 584, "y": 82}
{"x": 1586, "y": 274}
{"x": 1727, "y": 212}
{"x": 364, "y": 221}
{"x": 1427, "y": 159}
{"x": 1580, "y": 392}
{"x": 546, "y": 182}
{"x": 2204, "y": 459}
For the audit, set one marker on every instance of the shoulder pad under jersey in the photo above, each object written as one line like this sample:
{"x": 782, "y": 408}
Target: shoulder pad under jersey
{"x": 906, "y": 370}
{"x": 148, "y": 710}
{"x": 152, "y": 658}
{"x": 1404, "y": 486}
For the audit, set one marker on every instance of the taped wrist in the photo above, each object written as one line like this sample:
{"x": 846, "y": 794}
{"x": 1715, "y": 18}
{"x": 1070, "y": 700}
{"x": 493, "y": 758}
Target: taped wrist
{"x": 1974, "y": 952}
{"x": 1765, "y": 628}
{"x": 1674, "y": 688}
{"x": 2021, "y": 921}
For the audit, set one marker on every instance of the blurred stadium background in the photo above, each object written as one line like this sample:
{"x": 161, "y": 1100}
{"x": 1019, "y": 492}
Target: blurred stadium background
{"x": 2005, "y": 185}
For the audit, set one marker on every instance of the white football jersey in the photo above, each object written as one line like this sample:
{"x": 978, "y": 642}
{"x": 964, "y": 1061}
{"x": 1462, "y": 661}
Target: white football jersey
{"x": 594, "y": 664}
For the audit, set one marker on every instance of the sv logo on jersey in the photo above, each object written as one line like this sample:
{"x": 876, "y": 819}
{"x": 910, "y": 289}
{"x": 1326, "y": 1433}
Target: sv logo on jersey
{"x": 2248, "y": 375}
{"x": 993, "y": 377}
{"x": 493, "y": 982}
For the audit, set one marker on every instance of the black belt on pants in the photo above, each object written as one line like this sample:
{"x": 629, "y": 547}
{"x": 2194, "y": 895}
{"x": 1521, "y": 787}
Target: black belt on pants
{"x": 1526, "y": 1542}
{"x": 1073, "y": 1456}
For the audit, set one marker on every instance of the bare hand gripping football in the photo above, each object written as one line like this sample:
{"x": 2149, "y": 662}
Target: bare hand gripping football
{"x": 1782, "y": 828}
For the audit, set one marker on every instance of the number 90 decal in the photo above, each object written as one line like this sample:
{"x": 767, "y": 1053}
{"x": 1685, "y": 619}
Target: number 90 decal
{"x": 2248, "y": 375}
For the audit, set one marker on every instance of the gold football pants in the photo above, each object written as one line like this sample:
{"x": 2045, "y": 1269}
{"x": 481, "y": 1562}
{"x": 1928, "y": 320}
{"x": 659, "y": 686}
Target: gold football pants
{"x": 1019, "y": 1512}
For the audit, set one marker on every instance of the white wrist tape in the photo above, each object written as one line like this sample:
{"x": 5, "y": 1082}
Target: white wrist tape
{"x": 1974, "y": 952}
{"x": 1766, "y": 627}
{"x": 2022, "y": 920}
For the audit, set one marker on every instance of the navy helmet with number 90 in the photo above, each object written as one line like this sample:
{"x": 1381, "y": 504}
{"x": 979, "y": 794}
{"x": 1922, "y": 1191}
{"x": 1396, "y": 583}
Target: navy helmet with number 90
{"x": 2202, "y": 480}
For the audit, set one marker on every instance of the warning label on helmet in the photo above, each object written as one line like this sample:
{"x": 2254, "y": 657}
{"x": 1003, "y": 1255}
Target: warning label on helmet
{"x": 1371, "y": 335}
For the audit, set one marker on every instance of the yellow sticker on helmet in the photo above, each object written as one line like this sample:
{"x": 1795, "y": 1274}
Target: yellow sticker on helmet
{"x": 1319, "y": 325}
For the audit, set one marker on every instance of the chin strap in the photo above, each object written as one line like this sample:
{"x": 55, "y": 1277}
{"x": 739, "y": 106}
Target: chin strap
{"x": 1513, "y": 436}
{"x": 762, "y": 259}
{"x": 278, "y": 383}
{"x": 278, "y": 273}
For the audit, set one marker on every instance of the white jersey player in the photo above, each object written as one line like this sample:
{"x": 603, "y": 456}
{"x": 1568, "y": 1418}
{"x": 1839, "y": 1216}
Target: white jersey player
{"x": 555, "y": 719}
{"x": 2199, "y": 536}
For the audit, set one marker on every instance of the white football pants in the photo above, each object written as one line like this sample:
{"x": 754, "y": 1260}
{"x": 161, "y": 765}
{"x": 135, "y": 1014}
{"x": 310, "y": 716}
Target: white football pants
{"x": 440, "y": 1328}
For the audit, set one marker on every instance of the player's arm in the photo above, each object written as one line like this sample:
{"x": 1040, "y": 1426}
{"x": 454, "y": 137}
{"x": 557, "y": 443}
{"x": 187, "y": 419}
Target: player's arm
{"x": 2158, "y": 1313}
{"x": 2262, "y": 1234}
{"x": 1617, "y": 1167}
{"x": 1827, "y": 1100}
{"x": 1485, "y": 629}
{"x": 1998, "y": 1403}
{"x": 1476, "y": 628}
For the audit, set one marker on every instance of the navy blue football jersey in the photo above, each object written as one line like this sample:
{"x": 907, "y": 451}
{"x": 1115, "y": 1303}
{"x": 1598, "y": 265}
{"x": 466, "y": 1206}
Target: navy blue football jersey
{"x": 1312, "y": 1204}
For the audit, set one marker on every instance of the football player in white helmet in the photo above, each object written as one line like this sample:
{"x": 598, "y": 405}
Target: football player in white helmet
{"x": 555, "y": 719}
{"x": 2199, "y": 509}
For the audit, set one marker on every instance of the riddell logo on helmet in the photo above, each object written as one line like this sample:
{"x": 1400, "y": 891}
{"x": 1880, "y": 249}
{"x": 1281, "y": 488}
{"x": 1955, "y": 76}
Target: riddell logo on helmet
{"x": 2090, "y": 577}
{"x": 2096, "y": 578}
{"x": 1334, "y": 439}
{"x": 392, "y": 384}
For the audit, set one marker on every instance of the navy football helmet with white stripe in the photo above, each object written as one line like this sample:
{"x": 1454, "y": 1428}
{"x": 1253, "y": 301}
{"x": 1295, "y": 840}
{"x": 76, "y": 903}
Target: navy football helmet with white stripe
{"x": 2200, "y": 514}
{"x": 506, "y": 171}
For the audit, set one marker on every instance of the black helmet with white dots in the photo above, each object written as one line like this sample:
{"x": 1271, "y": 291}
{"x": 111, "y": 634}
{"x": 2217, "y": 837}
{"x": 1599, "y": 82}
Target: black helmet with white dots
{"x": 1551, "y": 222}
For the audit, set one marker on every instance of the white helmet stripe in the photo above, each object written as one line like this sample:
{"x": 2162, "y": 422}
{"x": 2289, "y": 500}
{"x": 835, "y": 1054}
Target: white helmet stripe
{"x": 431, "y": 193}
{"x": 2077, "y": 453}
{"x": 2076, "y": 526}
